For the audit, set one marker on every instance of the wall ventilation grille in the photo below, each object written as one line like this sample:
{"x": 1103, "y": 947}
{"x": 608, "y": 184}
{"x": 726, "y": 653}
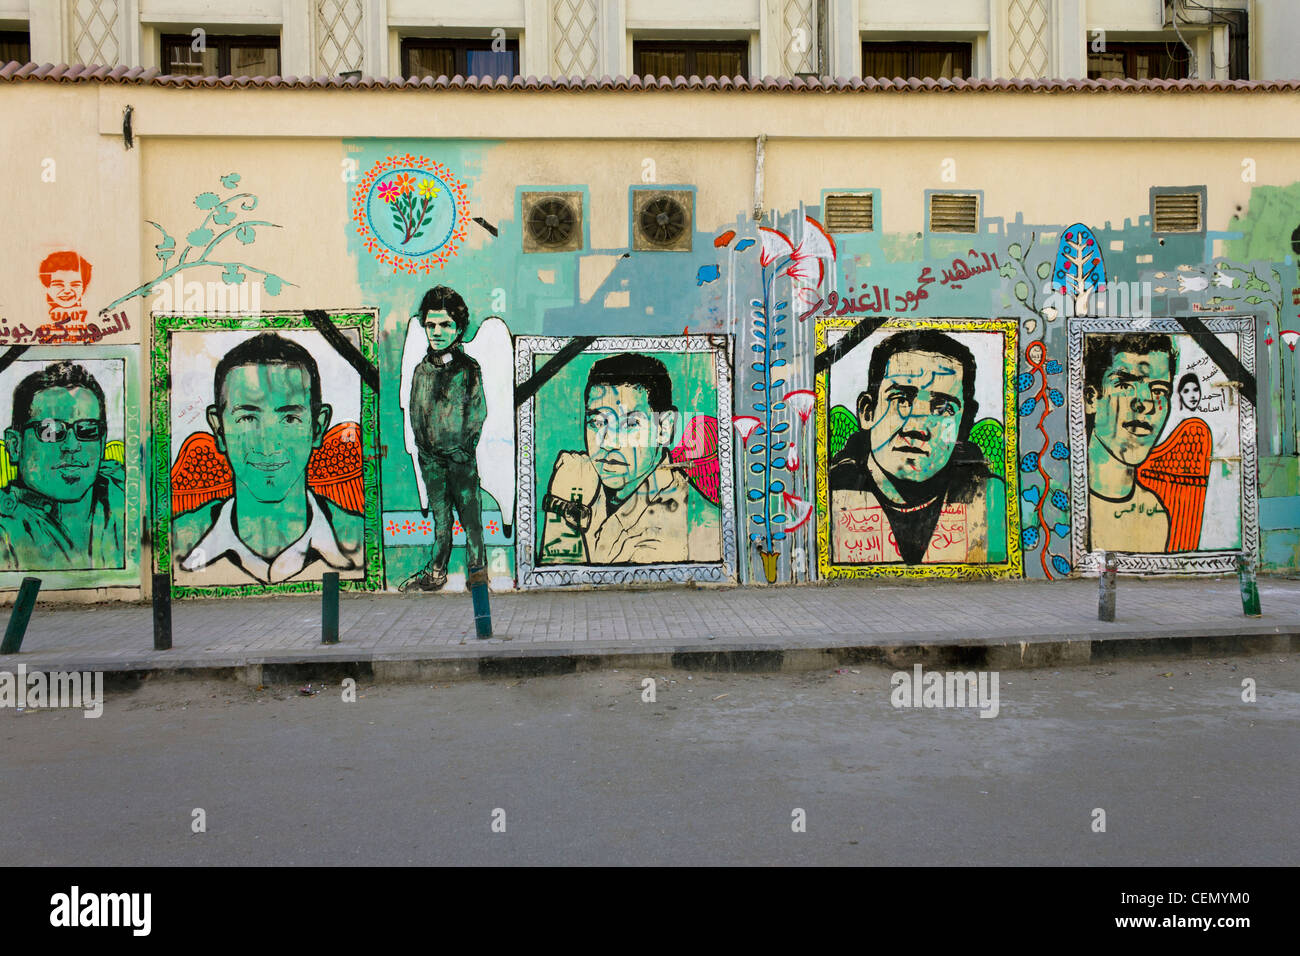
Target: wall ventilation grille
{"x": 1176, "y": 212}
{"x": 954, "y": 213}
{"x": 850, "y": 213}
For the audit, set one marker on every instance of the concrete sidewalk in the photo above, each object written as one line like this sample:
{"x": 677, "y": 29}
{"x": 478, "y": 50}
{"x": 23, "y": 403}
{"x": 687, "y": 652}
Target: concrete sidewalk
{"x": 431, "y": 636}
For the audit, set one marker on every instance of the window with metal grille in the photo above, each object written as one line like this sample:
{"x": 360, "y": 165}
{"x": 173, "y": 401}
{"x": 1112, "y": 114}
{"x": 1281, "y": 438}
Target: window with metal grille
{"x": 15, "y": 45}
{"x": 954, "y": 212}
{"x": 932, "y": 61}
{"x": 220, "y": 55}
{"x": 1176, "y": 212}
{"x": 1139, "y": 61}
{"x": 673, "y": 58}
{"x": 849, "y": 212}
{"x": 434, "y": 57}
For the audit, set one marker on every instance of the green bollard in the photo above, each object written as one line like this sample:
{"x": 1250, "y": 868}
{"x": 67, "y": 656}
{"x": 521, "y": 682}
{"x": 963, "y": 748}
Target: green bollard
{"x": 330, "y": 608}
{"x": 1249, "y": 589}
{"x": 478, "y": 589}
{"x": 21, "y": 614}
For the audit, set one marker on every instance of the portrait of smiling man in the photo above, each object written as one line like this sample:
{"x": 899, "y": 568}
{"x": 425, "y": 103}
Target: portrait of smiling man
{"x": 910, "y": 486}
{"x": 624, "y": 501}
{"x": 1127, "y": 393}
{"x": 267, "y": 419}
{"x": 65, "y": 508}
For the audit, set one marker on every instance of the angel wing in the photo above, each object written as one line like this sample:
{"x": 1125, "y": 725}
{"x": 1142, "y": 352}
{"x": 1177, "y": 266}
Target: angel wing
{"x": 1178, "y": 472}
{"x": 412, "y": 353}
{"x": 493, "y": 349}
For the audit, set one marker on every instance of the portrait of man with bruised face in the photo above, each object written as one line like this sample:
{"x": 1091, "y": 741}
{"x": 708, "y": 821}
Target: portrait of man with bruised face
{"x": 624, "y": 500}
{"x": 267, "y": 418}
{"x": 1127, "y": 391}
{"x": 910, "y": 486}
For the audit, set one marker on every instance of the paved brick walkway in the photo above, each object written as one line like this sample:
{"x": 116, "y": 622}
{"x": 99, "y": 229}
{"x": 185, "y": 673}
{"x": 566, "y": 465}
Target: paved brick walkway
{"x": 388, "y": 627}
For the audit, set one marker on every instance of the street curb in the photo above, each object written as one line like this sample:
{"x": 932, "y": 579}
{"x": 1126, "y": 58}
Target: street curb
{"x": 497, "y": 662}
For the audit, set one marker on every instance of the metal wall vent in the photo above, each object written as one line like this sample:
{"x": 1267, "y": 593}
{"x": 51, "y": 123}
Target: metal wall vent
{"x": 662, "y": 220}
{"x": 953, "y": 212}
{"x": 552, "y": 222}
{"x": 849, "y": 212}
{"x": 1176, "y": 212}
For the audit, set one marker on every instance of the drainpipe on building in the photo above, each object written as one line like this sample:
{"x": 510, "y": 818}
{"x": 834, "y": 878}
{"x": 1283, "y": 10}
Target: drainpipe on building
{"x": 822, "y": 69}
{"x": 760, "y": 144}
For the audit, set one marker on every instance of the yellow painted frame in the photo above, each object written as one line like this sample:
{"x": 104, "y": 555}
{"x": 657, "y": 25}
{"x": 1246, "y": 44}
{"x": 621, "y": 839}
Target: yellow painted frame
{"x": 1013, "y": 567}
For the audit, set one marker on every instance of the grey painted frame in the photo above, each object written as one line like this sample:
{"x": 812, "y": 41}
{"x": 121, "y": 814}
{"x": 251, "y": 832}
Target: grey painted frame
{"x": 1199, "y": 562}
{"x": 527, "y": 348}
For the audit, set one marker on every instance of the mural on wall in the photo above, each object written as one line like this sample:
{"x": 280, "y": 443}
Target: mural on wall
{"x": 68, "y": 495}
{"x": 925, "y": 484}
{"x": 411, "y": 213}
{"x": 203, "y": 248}
{"x": 457, "y": 402}
{"x": 1163, "y": 445}
{"x": 781, "y": 342}
{"x": 262, "y": 477}
{"x": 625, "y": 462}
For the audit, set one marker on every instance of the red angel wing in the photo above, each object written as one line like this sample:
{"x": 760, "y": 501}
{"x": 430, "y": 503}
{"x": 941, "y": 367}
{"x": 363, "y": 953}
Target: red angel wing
{"x": 699, "y": 451}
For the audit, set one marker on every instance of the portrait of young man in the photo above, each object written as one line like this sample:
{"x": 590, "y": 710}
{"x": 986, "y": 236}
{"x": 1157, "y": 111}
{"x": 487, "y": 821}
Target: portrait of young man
{"x": 623, "y": 500}
{"x": 910, "y": 486}
{"x": 65, "y": 509}
{"x": 267, "y": 417}
{"x": 447, "y": 409}
{"x": 1127, "y": 394}
{"x": 66, "y": 276}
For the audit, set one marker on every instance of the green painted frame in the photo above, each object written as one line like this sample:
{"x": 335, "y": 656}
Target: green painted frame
{"x": 132, "y": 437}
{"x": 366, "y": 323}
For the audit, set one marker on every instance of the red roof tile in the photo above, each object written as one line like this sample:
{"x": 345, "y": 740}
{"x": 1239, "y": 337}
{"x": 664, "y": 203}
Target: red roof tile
{"x": 50, "y": 73}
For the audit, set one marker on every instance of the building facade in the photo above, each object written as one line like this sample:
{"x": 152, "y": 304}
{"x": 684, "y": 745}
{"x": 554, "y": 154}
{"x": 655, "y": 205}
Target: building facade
{"x": 606, "y": 333}
{"x": 1138, "y": 39}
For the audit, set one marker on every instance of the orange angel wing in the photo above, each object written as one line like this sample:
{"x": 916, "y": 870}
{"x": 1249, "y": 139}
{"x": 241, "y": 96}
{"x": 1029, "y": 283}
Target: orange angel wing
{"x": 334, "y": 469}
{"x": 200, "y": 474}
{"x": 1178, "y": 472}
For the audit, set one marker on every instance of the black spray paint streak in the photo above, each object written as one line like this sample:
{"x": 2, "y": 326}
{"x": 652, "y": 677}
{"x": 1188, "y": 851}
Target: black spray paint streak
{"x": 320, "y": 319}
{"x": 552, "y": 368}
{"x": 1221, "y": 355}
{"x": 855, "y": 335}
{"x": 12, "y": 355}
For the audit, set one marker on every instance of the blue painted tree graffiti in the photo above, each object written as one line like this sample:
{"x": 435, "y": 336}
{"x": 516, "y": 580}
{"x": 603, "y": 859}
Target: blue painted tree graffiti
{"x": 1079, "y": 269}
{"x": 769, "y": 450}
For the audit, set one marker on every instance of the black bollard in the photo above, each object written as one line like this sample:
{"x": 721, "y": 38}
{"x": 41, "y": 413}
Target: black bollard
{"x": 162, "y": 612}
{"x": 329, "y": 611}
{"x": 21, "y": 614}
{"x": 1106, "y": 580}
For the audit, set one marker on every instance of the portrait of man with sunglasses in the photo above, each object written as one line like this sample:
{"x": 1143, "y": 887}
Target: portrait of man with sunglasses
{"x": 65, "y": 507}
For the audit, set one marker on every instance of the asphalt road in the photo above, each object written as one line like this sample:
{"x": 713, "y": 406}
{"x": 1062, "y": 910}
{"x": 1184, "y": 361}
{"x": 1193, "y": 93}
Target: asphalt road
{"x": 711, "y": 773}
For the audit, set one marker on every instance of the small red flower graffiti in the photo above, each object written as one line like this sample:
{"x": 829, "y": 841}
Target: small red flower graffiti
{"x": 492, "y": 527}
{"x": 425, "y": 527}
{"x": 392, "y": 527}
{"x": 408, "y": 527}
{"x": 456, "y": 528}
